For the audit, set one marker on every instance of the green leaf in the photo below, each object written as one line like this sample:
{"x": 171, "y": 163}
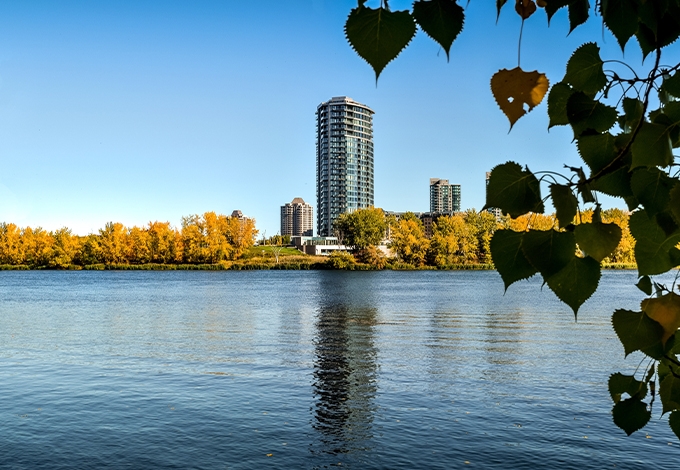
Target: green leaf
{"x": 660, "y": 25}
{"x": 442, "y": 20}
{"x": 645, "y": 285}
{"x": 584, "y": 70}
{"x": 557, "y": 104}
{"x": 597, "y": 239}
{"x": 620, "y": 16}
{"x": 549, "y": 251}
{"x": 669, "y": 392}
{"x": 513, "y": 190}
{"x": 667, "y": 223}
{"x": 585, "y": 113}
{"x": 674, "y": 423}
{"x": 616, "y": 183}
{"x": 576, "y": 282}
{"x": 620, "y": 384}
{"x": 652, "y": 244}
{"x": 636, "y": 331}
{"x": 633, "y": 110}
{"x": 551, "y": 7}
{"x": 652, "y": 188}
{"x": 672, "y": 111}
{"x": 379, "y": 35}
{"x": 597, "y": 150}
{"x": 646, "y": 39}
{"x": 578, "y": 13}
{"x": 565, "y": 204}
{"x": 630, "y": 415}
{"x": 671, "y": 115}
{"x": 584, "y": 189}
{"x": 507, "y": 255}
{"x": 652, "y": 146}
{"x": 674, "y": 202}
{"x": 499, "y": 5}
{"x": 674, "y": 254}
{"x": 672, "y": 85}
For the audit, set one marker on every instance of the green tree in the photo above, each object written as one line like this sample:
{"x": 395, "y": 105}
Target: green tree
{"x": 627, "y": 150}
{"x": 361, "y": 228}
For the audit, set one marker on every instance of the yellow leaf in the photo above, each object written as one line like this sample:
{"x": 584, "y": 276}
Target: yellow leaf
{"x": 664, "y": 310}
{"x": 525, "y": 8}
{"x": 513, "y": 89}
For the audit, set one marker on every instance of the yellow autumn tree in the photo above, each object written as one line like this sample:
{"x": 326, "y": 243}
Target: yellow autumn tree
{"x": 453, "y": 241}
{"x": 137, "y": 249}
{"x": 11, "y": 248}
{"x": 161, "y": 242}
{"x": 217, "y": 246}
{"x": 532, "y": 221}
{"x": 240, "y": 234}
{"x": 37, "y": 246}
{"x": 113, "y": 243}
{"x": 192, "y": 239}
{"x": 65, "y": 249}
{"x": 407, "y": 240}
{"x": 483, "y": 225}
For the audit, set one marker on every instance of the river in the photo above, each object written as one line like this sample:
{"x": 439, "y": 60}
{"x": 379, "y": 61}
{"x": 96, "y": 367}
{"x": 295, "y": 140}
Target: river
{"x": 312, "y": 369}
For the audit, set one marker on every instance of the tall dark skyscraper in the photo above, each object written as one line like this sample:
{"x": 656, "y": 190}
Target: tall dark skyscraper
{"x": 344, "y": 160}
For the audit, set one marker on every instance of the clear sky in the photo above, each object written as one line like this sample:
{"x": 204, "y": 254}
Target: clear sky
{"x": 136, "y": 111}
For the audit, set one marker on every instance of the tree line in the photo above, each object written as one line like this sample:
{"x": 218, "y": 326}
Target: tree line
{"x": 208, "y": 238}
{"x": 463, "y": 238}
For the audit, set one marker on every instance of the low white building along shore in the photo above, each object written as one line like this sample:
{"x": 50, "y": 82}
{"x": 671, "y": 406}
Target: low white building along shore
{"x": 318, "y": 245}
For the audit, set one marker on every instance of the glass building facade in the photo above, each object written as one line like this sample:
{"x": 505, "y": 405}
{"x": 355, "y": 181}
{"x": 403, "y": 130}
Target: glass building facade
{"x": 444, "y": 197}
{"x": 344, "y": 160}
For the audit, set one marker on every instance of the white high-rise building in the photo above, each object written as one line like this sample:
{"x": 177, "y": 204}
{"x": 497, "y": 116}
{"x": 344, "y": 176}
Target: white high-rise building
{"x": 344, "y": 160}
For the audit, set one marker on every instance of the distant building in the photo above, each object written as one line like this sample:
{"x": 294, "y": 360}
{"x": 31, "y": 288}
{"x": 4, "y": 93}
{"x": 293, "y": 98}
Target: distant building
{"x": 297, "y": 218}
{"x": 344, "y": 160}
{"x": 444, "y": 197}
{"x": 318, "y": 245}
{"x": 493, "y": 210}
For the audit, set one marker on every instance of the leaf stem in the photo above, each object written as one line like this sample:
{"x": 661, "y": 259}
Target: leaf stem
{"x": 519, "y": 46}
{"x": 645, "y": 104}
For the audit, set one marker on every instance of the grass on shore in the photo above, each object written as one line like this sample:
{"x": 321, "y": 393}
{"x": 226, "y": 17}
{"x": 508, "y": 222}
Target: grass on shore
{"x": 263, "y": 258}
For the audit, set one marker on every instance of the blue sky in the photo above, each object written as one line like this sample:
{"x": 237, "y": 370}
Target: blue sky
{"x": 152, "y": 110}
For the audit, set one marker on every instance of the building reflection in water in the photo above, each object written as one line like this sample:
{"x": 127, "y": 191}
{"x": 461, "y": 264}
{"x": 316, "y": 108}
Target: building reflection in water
{"x": 345, "y": 370}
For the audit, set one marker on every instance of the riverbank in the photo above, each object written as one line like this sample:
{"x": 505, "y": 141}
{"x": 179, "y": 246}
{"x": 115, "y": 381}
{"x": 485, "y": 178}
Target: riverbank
{"x": 235, "y": 266}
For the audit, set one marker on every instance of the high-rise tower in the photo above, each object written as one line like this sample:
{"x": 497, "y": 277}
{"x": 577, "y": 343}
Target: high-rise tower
{"x": 297, "y": 218}
{"x": 444, "y": 197}
{"x": 344, "y": 160}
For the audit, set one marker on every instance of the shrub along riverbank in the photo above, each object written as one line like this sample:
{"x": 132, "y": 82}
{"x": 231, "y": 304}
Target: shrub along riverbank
{"x": 267, "y": 266}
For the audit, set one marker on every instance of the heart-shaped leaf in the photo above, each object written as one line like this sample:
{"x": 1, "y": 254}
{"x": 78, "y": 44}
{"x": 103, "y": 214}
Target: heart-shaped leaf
{"x": 515, "y": 90}
{"x": 442, "y": 20}
{"x": 664, "y": 310}
{"x": 631, "y": 414}
{"x": 598, "y": 240}
{"x": 379, "y": 35}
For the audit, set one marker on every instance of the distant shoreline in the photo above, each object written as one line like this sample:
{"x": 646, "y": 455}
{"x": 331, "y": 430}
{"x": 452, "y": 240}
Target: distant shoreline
{"x": 317, "y": 266}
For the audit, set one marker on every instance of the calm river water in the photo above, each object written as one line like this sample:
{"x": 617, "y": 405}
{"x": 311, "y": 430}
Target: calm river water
{"x": 312, "y": 369}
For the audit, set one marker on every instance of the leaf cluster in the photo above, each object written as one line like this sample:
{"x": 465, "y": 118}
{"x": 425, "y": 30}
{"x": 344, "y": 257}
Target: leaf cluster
{"x": 627, "y": 149}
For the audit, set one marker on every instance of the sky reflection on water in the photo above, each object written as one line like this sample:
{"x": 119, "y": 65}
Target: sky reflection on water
{"x": 366, "y": 369}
